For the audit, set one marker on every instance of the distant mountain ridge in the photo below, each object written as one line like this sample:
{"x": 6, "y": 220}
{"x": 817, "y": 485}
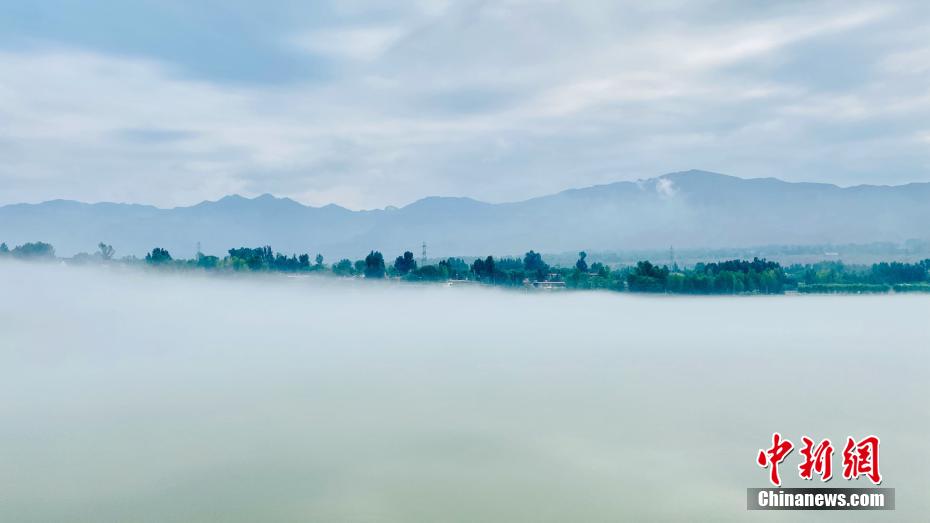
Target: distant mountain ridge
{"x": 690, "y": 209}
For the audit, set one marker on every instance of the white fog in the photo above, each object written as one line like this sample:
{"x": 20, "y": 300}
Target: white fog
{"x": 143, "y": 396}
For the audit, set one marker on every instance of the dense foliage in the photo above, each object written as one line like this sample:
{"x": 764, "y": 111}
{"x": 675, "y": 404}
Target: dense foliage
{"x": 736, "y": 276}
{"x": 30, "y": 251}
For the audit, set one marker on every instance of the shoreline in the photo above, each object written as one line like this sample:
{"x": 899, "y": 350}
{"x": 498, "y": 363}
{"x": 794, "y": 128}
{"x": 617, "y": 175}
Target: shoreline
{"x": 124, "y": 267}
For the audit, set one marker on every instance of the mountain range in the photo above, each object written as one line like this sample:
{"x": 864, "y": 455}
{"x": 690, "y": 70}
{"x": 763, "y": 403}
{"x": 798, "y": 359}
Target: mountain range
{"x": 691, "y": 209}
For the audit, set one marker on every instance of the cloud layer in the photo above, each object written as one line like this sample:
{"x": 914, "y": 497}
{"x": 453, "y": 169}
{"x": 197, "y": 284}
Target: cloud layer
{"x": 367, "y": 105}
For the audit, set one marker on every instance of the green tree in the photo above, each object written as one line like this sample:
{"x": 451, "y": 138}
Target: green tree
{"x": 4, "y": 250}
{"x": 255, "y": 259}
{"x": 455, "y": 267}
{"x": 404, "y": 264}
{"x": 602, "y": 270}
{"x": 769, "y": 283}
{"x": 430, "y": 273}
{"x": 533, "y": 263}
{"x": 374, "y": 265}
{"x": 207, "y": 262}
{"x": 158, "y": 256}
{"x": 33, "y": 251}
{"x": 676, "y": 283}
{"x": 728, "y": 282}
{"x": 343, "y": 267}
{"x": 483, "y": 268}
{"x": 319, "y": 260}
{"x": 646, "y": 277}
{"x": 581, "y": 264}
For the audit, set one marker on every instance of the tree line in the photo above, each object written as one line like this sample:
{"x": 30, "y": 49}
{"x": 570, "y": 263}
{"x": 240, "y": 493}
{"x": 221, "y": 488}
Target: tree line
{"x": 756, "y": 276}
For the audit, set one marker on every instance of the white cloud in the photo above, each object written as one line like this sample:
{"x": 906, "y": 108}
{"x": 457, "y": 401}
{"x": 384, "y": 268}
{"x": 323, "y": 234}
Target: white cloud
{"x": 764, "y": 37}
{"x": 355, "y": 43}
{"x": 665, "y": 187}
{"x": 912, "y": 61}
{"x": 499, "y": 104}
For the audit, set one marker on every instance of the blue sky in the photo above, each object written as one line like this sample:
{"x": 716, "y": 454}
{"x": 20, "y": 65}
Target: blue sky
{"x": 368, "y": 104}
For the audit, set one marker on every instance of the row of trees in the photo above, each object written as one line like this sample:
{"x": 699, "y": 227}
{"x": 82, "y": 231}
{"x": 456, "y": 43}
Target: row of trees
{"x": 45, "y": 251}
{"x": 724, "y": 277}
{"x": 835, "y": 276}
{"x": 836, "y": 272}
{"x": 728, "y": 277}
{"x": 29, "y": 251}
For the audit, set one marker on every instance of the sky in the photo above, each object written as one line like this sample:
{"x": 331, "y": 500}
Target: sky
{"x": 367, "y": 104}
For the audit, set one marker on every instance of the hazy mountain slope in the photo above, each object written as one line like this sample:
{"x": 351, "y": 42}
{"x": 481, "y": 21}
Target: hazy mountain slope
{"x": 687, "y": 209}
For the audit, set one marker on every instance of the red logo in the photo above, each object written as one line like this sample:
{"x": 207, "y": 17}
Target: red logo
{"x": 773, "y": 456}
{"x": 819, "y": 460}
{"x": 859, "y": 458}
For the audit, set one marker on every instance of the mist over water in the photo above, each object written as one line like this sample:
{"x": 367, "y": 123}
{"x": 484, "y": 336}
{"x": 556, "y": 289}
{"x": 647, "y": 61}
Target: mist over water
{"x": 140, "y": 396}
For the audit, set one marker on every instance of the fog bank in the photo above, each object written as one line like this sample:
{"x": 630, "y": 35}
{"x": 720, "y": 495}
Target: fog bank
{"x": 136, "y": 395}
